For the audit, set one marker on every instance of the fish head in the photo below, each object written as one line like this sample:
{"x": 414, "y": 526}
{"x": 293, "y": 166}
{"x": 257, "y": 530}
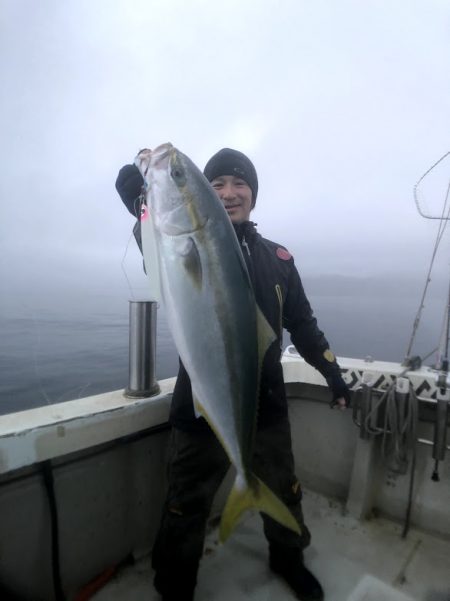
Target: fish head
{"x": 178, "y": 194}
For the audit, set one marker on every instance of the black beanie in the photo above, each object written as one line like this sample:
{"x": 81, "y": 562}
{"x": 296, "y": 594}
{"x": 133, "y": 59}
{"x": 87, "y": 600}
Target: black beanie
{"x": 232, "y": 162}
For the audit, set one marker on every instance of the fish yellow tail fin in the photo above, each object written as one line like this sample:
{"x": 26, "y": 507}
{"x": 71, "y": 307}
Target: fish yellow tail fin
{"x": 257, "y": 496}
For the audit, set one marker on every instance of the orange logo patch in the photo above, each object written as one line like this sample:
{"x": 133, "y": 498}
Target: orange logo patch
{"x": 283, "y": 254}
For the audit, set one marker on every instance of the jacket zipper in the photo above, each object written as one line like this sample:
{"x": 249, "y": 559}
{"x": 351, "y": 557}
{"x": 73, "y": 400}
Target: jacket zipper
{"x": 280, "y": 301}
{"x": 245, "y": 245}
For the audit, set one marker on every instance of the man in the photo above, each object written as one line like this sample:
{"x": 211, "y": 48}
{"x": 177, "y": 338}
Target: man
{"x": 197, "y": 462}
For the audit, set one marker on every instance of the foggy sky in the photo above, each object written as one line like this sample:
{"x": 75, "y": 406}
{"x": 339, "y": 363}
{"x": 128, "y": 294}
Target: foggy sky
{"x": 342, "y": 106}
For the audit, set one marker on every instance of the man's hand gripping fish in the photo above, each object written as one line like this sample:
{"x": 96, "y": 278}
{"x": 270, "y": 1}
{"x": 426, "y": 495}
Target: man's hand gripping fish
{"x": 220, "y": 333}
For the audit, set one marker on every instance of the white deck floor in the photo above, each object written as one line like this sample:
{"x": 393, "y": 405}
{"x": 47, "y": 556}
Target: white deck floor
{"x": 354, "y": 562}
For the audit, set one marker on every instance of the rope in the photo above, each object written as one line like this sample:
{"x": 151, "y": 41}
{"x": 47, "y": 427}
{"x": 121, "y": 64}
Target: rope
{"x": 399, "y": 437}
{"x": 397, "y": 430}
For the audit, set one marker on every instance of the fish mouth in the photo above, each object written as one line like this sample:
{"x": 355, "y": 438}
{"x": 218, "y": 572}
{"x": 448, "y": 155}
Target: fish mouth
{"x": 158, "y": 158}
{"x": 161, "y": 155}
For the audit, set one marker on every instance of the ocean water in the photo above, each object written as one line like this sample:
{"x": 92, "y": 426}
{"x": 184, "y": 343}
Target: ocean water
{"x": 60, "y": 347}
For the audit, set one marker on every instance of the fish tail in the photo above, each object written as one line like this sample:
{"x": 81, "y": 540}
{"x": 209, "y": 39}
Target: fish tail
{"x": 253, "y": 495}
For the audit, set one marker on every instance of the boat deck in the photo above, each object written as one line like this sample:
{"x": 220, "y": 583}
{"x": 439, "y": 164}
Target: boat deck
{"x": 355, "y": 561}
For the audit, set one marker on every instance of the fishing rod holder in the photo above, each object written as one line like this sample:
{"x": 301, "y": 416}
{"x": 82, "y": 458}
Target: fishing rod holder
{"x": 440, "y": 429}
{"x": 443, "y": 381}
{"x": 404, "y": 421}
{"x": 142, "y": 350}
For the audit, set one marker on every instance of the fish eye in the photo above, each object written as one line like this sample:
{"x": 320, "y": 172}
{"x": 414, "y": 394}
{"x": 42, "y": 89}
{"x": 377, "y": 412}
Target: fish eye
{"x": 178, "y": 175}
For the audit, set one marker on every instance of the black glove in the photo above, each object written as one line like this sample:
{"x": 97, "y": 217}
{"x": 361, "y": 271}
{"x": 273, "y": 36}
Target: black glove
{"x": 129, "y": 185}
{"x": 339, "y": 389}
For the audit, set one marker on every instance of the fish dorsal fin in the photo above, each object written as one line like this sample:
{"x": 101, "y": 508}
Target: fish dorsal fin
{"x": 266, "y": 335}
{"x": 150, "y": 252}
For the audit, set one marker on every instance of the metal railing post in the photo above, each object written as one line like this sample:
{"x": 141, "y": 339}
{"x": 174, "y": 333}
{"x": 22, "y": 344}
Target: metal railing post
{"x": 142, "y": 350}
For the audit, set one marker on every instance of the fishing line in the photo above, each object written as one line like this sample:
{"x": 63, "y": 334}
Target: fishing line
{"x": 83, "y": 388}
{"x": 137, "y": 211}
{"x": 35, "y": 358}
{"x": 428, "y": 355}
{"x": 122, "y": 265}
{"x": 77, "y": 390}
{"x": 137, "y": 206}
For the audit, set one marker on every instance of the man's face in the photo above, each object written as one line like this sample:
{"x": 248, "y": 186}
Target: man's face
{"x": 236, "y": 196}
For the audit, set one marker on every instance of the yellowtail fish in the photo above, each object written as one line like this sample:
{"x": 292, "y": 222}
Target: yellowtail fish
{"x": 220, "y": 333}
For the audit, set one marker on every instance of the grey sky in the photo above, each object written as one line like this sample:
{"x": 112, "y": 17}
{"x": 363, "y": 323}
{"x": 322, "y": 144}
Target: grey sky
{"x": 342, "y": 105}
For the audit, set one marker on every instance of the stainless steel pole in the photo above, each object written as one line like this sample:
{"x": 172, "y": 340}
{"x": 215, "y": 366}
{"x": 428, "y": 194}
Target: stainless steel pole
{"x": 142, "y": 350}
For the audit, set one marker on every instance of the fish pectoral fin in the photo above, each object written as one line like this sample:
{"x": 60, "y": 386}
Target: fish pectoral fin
{"x": 190, "y": 257}
{"x": 254, "y": 496}
{"x": 266, "y": 335}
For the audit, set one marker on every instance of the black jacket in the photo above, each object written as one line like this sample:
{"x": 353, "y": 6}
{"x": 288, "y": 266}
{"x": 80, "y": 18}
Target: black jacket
{"x": 280, "y": 295}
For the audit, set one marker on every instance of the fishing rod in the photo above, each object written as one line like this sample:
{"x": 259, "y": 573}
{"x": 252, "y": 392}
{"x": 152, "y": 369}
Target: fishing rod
{"x": 443, "y": 218}
{"x": 442, "y": 402}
